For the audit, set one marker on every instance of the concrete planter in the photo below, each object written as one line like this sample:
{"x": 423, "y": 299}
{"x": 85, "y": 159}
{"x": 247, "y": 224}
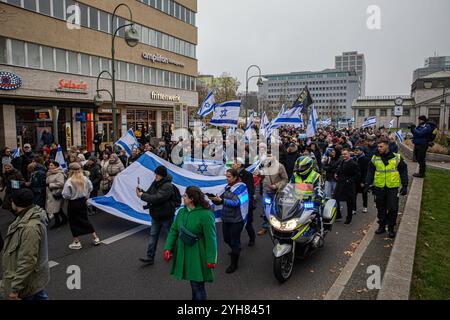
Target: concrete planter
{"x": 432, "y": 157}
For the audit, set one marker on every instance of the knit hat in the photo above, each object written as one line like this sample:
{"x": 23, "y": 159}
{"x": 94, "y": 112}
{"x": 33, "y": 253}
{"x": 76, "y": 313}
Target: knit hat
{"x": 22, "y": 198}
{"x": 161, "y": 171}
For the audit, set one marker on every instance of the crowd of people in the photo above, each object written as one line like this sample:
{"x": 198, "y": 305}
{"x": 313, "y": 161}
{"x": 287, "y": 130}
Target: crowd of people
{"x": 340, "y": 164}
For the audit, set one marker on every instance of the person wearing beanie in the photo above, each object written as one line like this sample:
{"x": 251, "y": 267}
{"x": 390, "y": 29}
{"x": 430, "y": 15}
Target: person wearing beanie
{"x": 95, "y": 174}
{"x": 162, "y": 199}
{"x": 25, "y": 255}
{"x": 421, "y": 139}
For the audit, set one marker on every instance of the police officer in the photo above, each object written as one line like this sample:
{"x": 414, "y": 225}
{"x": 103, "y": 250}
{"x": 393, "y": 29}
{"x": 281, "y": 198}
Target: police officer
{"x": 304, "y": 174}
{"x": 387, "y": 172}
{"x": 421, "y": 139}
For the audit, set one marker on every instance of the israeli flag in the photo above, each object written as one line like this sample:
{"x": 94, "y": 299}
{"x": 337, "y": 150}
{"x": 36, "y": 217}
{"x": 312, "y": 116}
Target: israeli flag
{"x": 391, "y": 123}
{"x": 372, "y": 121}
{"x": 16, "y": 153}
{"x": 264, "y": 125}
{"x": 128, "y": 142}
{"x": 122, "y": 201}
{"x": 311, "y": 130}
{"x": 326, "y": 122}
{"x": 291, "y": 117}
{"x": 399, "y": 135}
{"x": 60, "y": 158}
{"x": 203, "y": 167}
{"x": 282, "y": 111}
{"x": 208, "y": 105}
{"x": 226, "y": 114}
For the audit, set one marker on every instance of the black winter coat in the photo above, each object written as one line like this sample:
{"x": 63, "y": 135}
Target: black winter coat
{"x": 95, "y": 175}
{"x": 363, "y": 163}
{"x": 347, "y": 176}
{"x": 291, "y": 158}
{"x": 159, "y": 199}
{"x": 330, "y": 167}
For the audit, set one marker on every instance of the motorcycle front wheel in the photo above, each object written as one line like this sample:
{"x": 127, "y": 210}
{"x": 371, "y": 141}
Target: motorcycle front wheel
{"x": 283, "y": 266}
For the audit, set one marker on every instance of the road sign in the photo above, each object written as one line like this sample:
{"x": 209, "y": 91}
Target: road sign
{"x": 398, "y": 111}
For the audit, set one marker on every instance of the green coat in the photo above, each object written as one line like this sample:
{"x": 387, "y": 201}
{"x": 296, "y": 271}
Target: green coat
{"x": 190, "y": 263}
{"x": 25, "y": 255}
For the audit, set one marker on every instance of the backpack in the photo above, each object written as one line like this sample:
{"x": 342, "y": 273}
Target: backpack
{"x": 434, "y": 132}
{"x": 176, "y": 198}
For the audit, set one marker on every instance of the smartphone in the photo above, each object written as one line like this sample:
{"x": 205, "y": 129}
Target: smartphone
{"x": 210, "y": 195}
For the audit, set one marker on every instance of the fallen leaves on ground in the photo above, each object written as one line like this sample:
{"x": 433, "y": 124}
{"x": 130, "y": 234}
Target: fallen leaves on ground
{"x": 348, "y": 253}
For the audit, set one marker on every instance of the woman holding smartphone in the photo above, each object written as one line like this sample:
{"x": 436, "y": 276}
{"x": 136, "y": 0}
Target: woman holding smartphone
{"x": 235, "y": 201}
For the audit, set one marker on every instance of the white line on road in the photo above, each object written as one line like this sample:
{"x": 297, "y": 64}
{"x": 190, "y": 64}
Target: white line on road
{"x": 125, "y": 234}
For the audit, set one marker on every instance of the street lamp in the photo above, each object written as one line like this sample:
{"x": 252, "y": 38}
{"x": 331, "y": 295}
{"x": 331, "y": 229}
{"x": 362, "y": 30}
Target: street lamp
{"x": 131, "y": 39}
{"x": 259, "y": 84}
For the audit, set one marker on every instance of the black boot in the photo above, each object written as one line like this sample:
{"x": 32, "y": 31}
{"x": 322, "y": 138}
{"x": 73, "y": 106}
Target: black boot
{"x": 381, "y": 230}
{"x": 57, "y": 222}
{"x": 348, "y": 220}
{"x": 234, "y": 263}
{"x": 392, "y": 233}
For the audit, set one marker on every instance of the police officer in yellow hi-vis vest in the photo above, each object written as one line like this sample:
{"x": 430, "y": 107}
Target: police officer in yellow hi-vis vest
{"x": 387, "y": 172}
{"x": 307, "y": 179}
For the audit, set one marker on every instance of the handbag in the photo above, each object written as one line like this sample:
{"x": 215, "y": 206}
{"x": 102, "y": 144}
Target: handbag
{"x": 187, "y": 236}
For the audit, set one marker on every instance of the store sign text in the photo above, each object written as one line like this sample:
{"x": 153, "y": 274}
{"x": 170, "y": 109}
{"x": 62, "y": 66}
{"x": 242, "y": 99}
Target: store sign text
{"x": 164, "y": 97}
{"x": 72, "y": 86}
{"x": 159, "y": 58}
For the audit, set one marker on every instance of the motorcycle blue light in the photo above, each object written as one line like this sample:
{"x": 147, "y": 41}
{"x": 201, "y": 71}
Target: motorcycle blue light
{"x": 268, "y": 201}
{"x": 308, "y": 205}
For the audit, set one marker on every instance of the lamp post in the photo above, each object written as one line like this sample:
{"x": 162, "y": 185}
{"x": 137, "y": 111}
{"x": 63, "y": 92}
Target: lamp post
{"x": 132, "y": 39}
{"x": 259, "y": 83}
{"x": 444, "y": 107}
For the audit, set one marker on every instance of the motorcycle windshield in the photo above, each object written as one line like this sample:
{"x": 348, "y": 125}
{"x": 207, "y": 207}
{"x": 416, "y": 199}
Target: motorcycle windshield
{"x": 289, "y": 202}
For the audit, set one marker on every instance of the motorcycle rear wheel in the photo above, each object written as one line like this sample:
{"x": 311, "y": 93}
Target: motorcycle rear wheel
{"x": 283, "y": 266}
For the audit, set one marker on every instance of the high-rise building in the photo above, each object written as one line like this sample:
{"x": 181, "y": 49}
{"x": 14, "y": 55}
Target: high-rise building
{"x": 333, "y": 91}
{"x": 49, "y": 68}
{"x": 432, "y": 65}
{"x": 353, "y": 61}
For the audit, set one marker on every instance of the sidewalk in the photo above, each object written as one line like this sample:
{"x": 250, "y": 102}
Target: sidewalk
{"x": 439, "y": 165}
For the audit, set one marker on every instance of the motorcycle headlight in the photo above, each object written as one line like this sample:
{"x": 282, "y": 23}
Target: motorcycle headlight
{"x": 275, "y": 222}
{"x": 291, "y": 225}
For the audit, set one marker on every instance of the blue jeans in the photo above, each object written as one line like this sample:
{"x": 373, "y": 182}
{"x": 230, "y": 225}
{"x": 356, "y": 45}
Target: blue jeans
{"x": 329, "y": 189}
{"x": 155, "y": 230}
{"x": 40, "y": 296}
{"x": 198, "y": 291}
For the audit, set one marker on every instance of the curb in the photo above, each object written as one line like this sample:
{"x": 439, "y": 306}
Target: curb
{"x": 341, "y": 282}
{"x": 397, "y": 279}
{"x": 437, "y": 166}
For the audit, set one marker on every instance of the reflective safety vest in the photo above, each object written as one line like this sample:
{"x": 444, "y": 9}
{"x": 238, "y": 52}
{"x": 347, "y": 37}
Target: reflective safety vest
{"x": 387, "y": 176}
{"x": 306, "y": 187}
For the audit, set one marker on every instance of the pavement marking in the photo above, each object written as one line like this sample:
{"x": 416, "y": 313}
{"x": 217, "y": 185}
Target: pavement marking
{"x": 341, "y": 282}
{"x": 52, "y": 264}
{"x": 124, "y": 234}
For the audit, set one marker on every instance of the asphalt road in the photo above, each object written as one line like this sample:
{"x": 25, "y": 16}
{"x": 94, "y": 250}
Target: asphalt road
{"x": 114, "y": 272}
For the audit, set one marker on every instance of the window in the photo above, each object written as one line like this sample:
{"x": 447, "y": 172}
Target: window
{"x": 166, "y": 78}
{"x": 165, "y": 42}
{"x": 104, "y": 18}
{"x": 152, "y": 76}
{"x": 84, "y": 15}
{"x": 158, "y": 39}
{"x": 406, "y": 112}
{"x": 106, "y": 64}
{"x": 139, "y": 74}
{"x": 153, "y": 3}
{"x": 146, "y": 75}
{"x": 34, "y": 56}
{"x": 178, "y": 13}
{"x": 183, "y": 13}
{"x": 159, "y": 4}
{"x": 159, "y": 77}
{"x": 28, "y": 4}
{"x": 60, "y": 60}
{"x": 2, "y": 50}
{"x": 372, "y": 112}
{"x": 73, "y": 62}
{"x": 193, "y": 18}
{"x": 44, "y": 7}
{"x": 383, "y": 113}
{"x": 93, "y": 15}
{"x": 172, "y": 44}
{"x": 47, "y": 58}
{"x": 95, "y": 66}
{"x": 172, "y": 79}
{"x": 177, "y": 45}
{"x": 152, "y": 37}
{"x": 182, "y": 48}
{"x": 58, "y": 9}
{"x": 183, "y": 81}
{"x": 145, "y": 35}
{"x": 171, "y": 8}
{"x": 166, "y": 6}
{"x": 18, "y": 53}
{"x": 123, "y": 71}
{"x": 131, "y": 72}
{"x": 434, "y": 114}
{"x": 85, "y": 69}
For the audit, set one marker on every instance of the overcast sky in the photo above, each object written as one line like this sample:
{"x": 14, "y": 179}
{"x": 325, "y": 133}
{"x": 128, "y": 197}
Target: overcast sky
{"x": 305, "y": 35}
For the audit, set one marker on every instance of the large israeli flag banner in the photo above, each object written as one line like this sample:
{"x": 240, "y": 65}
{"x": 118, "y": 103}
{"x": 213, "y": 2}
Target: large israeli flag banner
{"x": 227, "y": 114}
{"x": 128, "y": 142}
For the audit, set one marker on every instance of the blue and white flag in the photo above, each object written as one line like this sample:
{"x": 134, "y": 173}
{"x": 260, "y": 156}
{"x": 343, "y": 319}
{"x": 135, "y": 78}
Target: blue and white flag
{"x": 391, "y": 123}
{"x": 250, "y": 121}
{"x": 240, "y": 190}
{"x": 208, "y": 105}
{"x": 326, "y": 122}
{"x": 128, "y": 142}
{"x": 211, "y": 168}
{"x": 16, "y": 153}
{"x": 122, "y": 201}
{"x": 264, "y": 125}
{"x": 226, "y": 114}
{"x": 282, "y": 111}
{"x": 372, "y": 121}
{"x": 291, "y": 117}
{"x": 311, "y": 130}
{"x": 399, "y": 135}
{"x": 60, "y": 158}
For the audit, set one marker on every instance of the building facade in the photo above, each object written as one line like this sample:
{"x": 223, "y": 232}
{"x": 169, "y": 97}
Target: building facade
{"x": 56, "y": 63}
{"x": 353, "y": 61}
{"x": 333, "y": 91}
{"x": 382, "y": 107}
{"x": 432, "y": 98}
{"x": 432, "y": 65}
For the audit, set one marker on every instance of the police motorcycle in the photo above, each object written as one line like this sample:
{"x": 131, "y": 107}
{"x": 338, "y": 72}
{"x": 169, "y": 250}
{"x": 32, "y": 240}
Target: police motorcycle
{"x": 298, "y": 226}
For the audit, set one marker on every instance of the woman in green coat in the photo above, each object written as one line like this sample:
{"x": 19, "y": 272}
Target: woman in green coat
{"x": 194, "y": 259}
